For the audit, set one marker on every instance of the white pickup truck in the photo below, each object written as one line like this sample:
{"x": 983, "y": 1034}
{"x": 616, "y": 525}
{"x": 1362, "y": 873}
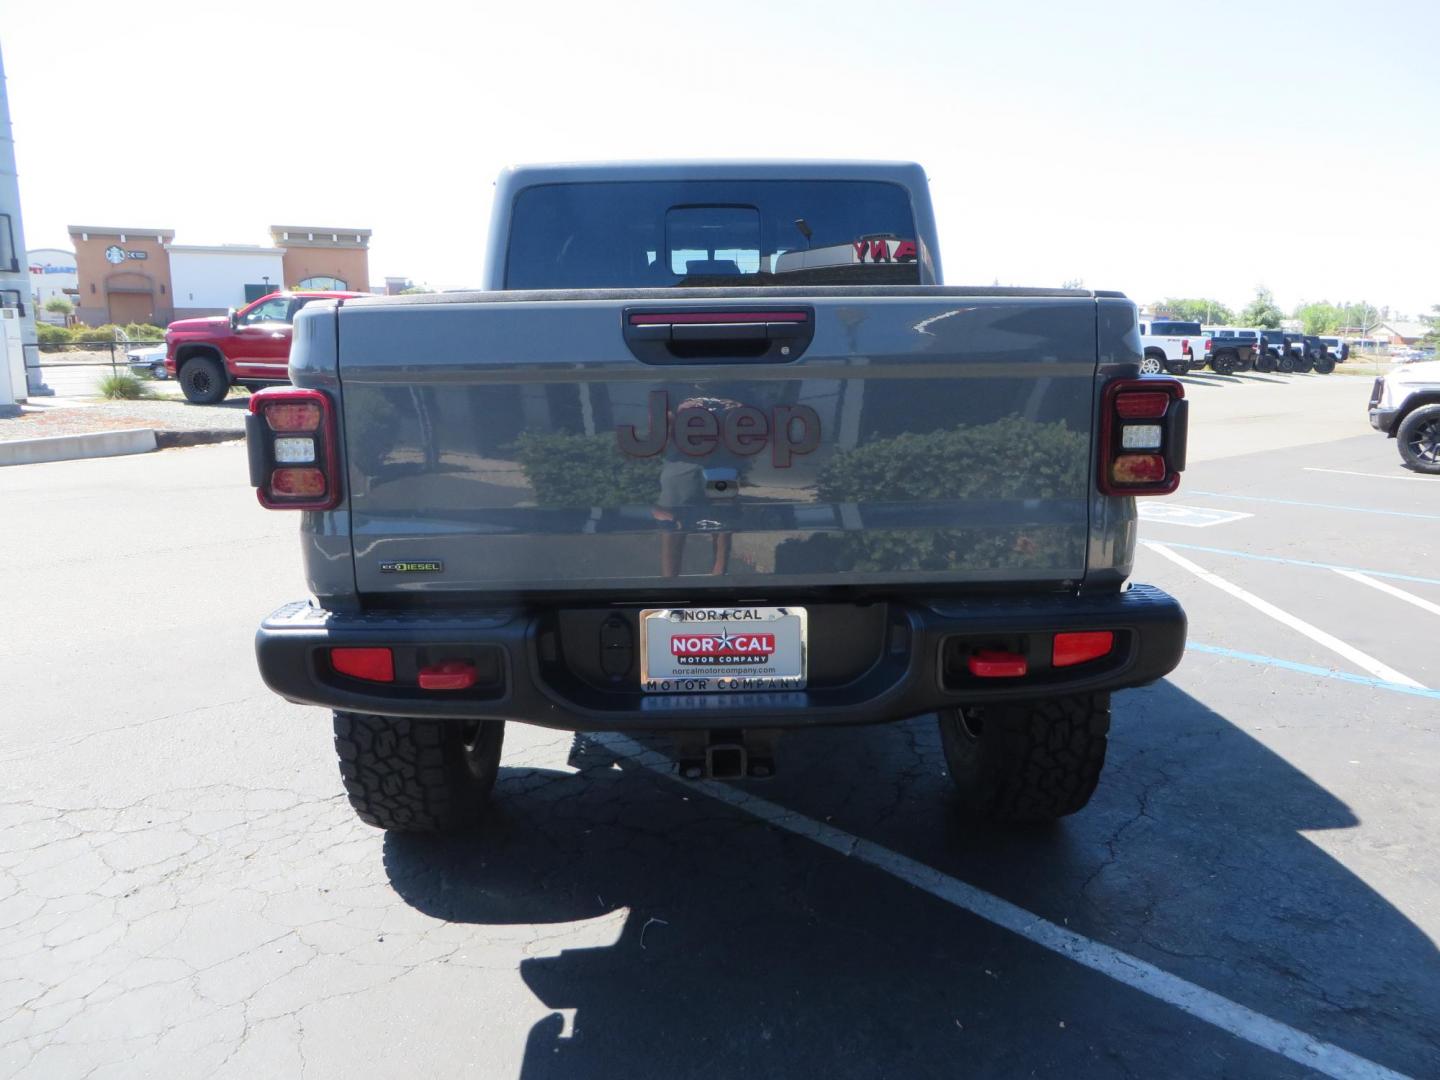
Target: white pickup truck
{"x": 1406, "y": 406}
{"x": 1171, "y": 345}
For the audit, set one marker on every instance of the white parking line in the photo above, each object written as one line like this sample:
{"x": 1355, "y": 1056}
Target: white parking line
{"x": 1371, "y": 475}
{"x": 1314, "y": 633}
{"x": 1386, "y": 587}
{"x": 1229, "y": 1016}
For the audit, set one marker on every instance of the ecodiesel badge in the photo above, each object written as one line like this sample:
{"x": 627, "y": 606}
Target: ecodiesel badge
{"x": 412, "y": 566}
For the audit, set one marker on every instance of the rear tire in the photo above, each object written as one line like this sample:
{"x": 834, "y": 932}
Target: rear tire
{"x": 1151, "y": 364}
{"x": 1177, "y": 367}
{"x": 1287, "y": 361}
{"x": 1227, "y": 363}
{"x": 1265, "y": 361}
{"x": 1027, "y": 761}
{"x": 203, "y": 380}
{"x": 419, "y": 776}
{"x": 1325, "y": 365}
{"x": 1419, "y": 439}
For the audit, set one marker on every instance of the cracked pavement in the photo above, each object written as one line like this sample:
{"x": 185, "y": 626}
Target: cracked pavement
{"x": 185, "y": 892}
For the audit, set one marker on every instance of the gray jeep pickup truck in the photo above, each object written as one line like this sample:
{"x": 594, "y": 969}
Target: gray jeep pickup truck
{"x": 715, "y": 454}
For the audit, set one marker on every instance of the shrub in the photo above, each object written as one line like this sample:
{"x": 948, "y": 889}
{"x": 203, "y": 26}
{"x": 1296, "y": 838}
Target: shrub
{"x": 93, "y": 334}
{"x": 123, "y": 386}
{"x": 144, "y": 332}
{"x": 585, "y": 470}
{"x": 59, "y": 305}
{"x": 1011, "y": 458}
{"x": 53, "y": 336}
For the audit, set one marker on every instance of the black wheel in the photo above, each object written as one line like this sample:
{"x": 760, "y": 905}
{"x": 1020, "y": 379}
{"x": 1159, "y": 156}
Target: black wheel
{"x": 1419, "y": 439}
{"x": 1177, "y": 367}
{"x": 417, "y": 775}
{"x": 1286, "y": 361}
{"x": 1225, "y": 363}
{"x": 1151, "y": 364}
{"x": 1325, "y": 365}
{"x": 1304, "y": 363}
{"x": 1027, "y": 761}
{"x": 203, "y": 380}
{"x": 1266, "y": 361}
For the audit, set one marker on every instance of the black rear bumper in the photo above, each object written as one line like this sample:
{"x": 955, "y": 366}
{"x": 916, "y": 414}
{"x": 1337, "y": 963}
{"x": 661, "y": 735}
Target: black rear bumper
{"x": 912, "y": 660}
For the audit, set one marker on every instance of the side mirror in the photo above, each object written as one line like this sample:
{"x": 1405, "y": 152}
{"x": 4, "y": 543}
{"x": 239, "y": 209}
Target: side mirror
{"x": 234, "y": 319}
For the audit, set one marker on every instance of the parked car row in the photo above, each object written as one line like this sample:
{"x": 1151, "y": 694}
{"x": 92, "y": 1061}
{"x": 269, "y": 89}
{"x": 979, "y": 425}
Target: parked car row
{"x": 1180, "y": 347}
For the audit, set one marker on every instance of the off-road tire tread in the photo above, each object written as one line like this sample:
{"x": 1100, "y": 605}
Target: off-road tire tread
{"x": 1420, "y": 415}
{"x": 411, "y": 775}
{"x": 218, "y": 374}
{"x": 1035, "y": 761}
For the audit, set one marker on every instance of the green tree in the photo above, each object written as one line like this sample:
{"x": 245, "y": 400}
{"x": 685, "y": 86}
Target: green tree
{"x": 58, "y": 305}
{"x": 1262, "y": 312}
{"x": 1433, "y": 321}
{"x": 1321, "y": 317}
{"x": 415, "y": 290}
{"x": 1201, "y": 311}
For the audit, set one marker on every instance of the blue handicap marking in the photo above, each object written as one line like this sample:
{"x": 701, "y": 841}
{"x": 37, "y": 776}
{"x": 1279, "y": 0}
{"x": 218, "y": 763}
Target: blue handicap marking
{"x": 1193, "y": 517}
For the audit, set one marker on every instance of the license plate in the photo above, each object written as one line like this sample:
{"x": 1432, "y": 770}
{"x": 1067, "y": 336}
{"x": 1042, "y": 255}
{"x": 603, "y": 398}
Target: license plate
{"x": 705, "y": 650}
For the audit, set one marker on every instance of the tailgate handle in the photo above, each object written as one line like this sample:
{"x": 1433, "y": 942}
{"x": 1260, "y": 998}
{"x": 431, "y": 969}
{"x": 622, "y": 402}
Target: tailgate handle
{"x": 730, "y": 336}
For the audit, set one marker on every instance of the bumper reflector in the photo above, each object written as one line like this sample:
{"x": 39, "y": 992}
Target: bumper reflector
{"x": 374, "y": 665}
{"x": 994, "y": 664}
{"x": 1081, "y": 647}
{"x": 449, "y": 675}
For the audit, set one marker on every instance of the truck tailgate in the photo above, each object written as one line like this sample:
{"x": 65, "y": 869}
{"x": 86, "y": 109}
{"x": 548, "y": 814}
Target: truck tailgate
{"x": 505, "y": 444}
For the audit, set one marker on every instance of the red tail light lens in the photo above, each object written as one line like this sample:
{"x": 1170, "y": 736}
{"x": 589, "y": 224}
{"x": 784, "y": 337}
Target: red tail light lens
{"x": 1137, "y": 469}
{"x": 1142, "y": 436}
{"x": 297, "y": 483}
{"x": 293, "y": 449}
{"x": 1142, "y": 405}
{"x": 303, "y": 417}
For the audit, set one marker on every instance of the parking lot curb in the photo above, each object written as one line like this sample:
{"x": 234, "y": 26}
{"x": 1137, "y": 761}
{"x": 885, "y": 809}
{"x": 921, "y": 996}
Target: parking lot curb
{"x": 97, "y": 444}
{"x": 168, "y": 440}
{"x": 70, "y": 447}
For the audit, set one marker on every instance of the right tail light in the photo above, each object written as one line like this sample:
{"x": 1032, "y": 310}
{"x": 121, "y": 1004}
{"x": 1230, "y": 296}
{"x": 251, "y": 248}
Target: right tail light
{"x": 294, "y": 456}
{"x": 1143, "y": 432}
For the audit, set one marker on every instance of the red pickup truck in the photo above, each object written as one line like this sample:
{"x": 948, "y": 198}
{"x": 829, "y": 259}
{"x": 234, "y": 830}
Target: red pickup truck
{"x": 249, "y": 347}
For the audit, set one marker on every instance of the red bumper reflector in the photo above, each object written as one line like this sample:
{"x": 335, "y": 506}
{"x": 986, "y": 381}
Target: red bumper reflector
{"x": 1141, "y": 405}
{"x": 1080, "y": 647}
{"x": 994, "y": 664}
{"x": 450, "y": 675}
{"x": 1138, "y": 469}
{"x": 376, "y": 665}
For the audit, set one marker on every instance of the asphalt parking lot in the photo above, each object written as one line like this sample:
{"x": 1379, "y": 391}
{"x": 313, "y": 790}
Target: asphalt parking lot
{"x": 1253, "y": 891}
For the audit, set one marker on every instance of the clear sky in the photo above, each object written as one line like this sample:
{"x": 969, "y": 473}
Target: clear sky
{"x": 1161, "y": 148}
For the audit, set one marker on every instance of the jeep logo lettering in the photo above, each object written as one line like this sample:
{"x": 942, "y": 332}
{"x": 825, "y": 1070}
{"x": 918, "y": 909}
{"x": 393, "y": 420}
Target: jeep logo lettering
{"x": 695, "y": 431}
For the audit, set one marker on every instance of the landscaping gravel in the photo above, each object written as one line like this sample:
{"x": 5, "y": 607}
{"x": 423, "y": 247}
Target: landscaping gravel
{"x": 162, "y": 414}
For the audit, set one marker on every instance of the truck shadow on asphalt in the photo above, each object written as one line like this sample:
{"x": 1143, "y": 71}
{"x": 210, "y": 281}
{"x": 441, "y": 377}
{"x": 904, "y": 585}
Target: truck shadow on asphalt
{"x": 746, "y": 950}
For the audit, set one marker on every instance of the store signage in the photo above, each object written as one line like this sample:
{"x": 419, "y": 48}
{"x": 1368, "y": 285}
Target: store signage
{"x": 116, "y": 255}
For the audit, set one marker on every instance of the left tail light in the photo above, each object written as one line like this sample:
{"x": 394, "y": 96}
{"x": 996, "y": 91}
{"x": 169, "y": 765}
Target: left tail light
{"x": 1143, "y": 434}
{"x": 293, "y": 449}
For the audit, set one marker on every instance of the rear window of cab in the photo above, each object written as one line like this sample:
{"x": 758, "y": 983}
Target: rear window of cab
{"x": 663, "y": 234}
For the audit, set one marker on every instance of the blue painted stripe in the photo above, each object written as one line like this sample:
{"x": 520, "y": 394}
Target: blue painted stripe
{"x": 1304, "y": 562}
{"x": 1314, "y": 505}
{"x": 1312, "y": 669}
